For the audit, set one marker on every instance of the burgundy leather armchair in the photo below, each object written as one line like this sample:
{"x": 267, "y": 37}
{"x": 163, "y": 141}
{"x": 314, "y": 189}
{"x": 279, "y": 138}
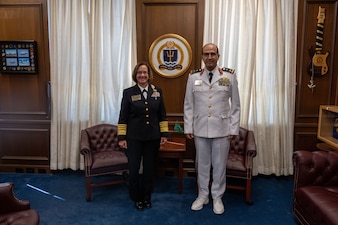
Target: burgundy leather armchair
{"x": 14, "y": 211}
{"x": 102, "y": 156}
{"x": 315, "y": 199}
{"x": 240, "y": 161}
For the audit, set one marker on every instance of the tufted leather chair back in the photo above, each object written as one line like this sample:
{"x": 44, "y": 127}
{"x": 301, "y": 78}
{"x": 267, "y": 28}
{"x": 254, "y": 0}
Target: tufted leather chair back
{"x": 240, "y": 160}
{"x": 241, "y": 152}
{"x": 318, "y": 168}
{"x": 238, "y": 144}
{"x": 103, "y": 138}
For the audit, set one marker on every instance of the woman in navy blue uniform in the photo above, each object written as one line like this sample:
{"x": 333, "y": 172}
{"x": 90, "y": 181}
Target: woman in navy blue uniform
{"x": 142, "y": 128}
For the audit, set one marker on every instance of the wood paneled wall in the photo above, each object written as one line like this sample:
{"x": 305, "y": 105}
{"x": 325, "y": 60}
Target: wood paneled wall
{"x": 325, "y": 91}
{"x": 185, "y": 18}
{"x": 24, "y": 98}
{"x": 25, "y": 103}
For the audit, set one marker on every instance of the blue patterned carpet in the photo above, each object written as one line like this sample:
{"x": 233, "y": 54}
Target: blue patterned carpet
{"x": 60, "y": 199}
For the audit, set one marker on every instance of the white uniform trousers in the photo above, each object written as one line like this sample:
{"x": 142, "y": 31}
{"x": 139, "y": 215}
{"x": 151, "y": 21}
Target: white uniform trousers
{"x": 211, "y": 152}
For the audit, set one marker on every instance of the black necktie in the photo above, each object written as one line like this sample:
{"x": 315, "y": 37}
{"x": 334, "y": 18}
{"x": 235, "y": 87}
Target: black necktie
{"x": 144, "y": 92}
{"x": 210, "y": 77}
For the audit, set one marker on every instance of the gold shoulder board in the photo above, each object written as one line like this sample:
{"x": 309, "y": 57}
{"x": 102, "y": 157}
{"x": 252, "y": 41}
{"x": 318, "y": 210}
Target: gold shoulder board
{"x": 195, "y": 71}
{"x": 228, "y": 70}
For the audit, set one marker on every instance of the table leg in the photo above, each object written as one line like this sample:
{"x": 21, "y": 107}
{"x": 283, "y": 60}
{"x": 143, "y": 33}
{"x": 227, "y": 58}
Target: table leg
{"x": 180, "y": 174}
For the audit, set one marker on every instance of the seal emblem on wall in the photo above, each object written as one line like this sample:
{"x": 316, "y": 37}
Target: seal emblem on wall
{"x": 170, "y": 55}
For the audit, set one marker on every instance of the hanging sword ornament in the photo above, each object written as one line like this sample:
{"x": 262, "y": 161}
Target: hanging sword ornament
{"x": 312, "y": 84}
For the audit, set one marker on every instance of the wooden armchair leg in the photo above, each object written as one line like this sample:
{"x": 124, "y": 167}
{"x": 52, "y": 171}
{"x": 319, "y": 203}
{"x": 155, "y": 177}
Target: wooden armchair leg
{"x": 248, "y": 192}
{"x": 89, "y": 189}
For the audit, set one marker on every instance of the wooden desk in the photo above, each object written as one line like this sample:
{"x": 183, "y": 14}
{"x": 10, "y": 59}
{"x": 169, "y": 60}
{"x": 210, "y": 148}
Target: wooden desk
{"x": 174, "y": 150}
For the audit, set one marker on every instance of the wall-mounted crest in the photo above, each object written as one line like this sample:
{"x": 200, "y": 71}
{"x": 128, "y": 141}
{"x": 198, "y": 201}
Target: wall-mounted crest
{"x": 170, "y": 55}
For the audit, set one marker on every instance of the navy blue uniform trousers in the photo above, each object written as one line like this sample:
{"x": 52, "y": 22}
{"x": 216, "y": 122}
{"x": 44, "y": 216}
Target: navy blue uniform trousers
{"x": 141, "y": 185}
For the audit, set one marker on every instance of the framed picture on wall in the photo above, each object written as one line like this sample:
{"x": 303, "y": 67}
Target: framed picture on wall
{"x": 18, "y": 57}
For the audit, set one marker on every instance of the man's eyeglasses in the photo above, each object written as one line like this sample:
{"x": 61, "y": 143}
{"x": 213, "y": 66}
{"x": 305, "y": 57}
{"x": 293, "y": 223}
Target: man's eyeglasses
{"x": 212, "y": 54}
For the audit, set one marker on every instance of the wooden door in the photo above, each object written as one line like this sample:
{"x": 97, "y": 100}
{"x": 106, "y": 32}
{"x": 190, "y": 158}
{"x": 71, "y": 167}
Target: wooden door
{"x": 185, "y": 18}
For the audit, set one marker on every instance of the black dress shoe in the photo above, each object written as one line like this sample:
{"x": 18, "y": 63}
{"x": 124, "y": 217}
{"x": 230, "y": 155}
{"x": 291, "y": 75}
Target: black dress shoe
{"x": 147, "y": 204}
{"x": 139, "y": 206}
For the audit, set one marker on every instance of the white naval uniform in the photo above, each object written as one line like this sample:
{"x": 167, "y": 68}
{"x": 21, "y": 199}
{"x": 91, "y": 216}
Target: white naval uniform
{"x": 211, "y": 113}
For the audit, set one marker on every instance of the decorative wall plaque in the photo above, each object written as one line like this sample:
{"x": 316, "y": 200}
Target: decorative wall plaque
{"x": 170, "y": 55}
{"x": 18, "y": 57}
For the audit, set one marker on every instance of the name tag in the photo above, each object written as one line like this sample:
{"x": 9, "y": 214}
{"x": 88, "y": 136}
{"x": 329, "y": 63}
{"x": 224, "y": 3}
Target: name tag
{"x": 198, "y": 82}
{"x": 136, "y": 97}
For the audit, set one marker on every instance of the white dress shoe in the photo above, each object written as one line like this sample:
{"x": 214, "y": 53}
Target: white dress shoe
{"x": 218, "y": 206}
{"x": 198, "y": 203}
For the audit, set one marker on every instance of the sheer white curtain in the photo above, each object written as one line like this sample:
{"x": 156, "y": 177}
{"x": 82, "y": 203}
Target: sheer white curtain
{"x": 93, "y": 50}
{"x": 92, "y": 53}
{"x": 258, "y": 39}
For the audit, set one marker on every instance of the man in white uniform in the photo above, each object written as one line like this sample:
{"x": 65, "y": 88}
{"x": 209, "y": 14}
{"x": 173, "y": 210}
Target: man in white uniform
{"x": 211, "y": 117}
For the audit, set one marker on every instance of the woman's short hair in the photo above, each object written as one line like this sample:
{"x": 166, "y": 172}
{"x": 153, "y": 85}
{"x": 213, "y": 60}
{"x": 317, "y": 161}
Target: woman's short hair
{"x": 150, "y": 72}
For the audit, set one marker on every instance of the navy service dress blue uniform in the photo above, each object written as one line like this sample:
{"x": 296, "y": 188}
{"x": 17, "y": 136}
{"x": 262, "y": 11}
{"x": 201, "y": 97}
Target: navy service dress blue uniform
{"x": 142, "y": 123}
